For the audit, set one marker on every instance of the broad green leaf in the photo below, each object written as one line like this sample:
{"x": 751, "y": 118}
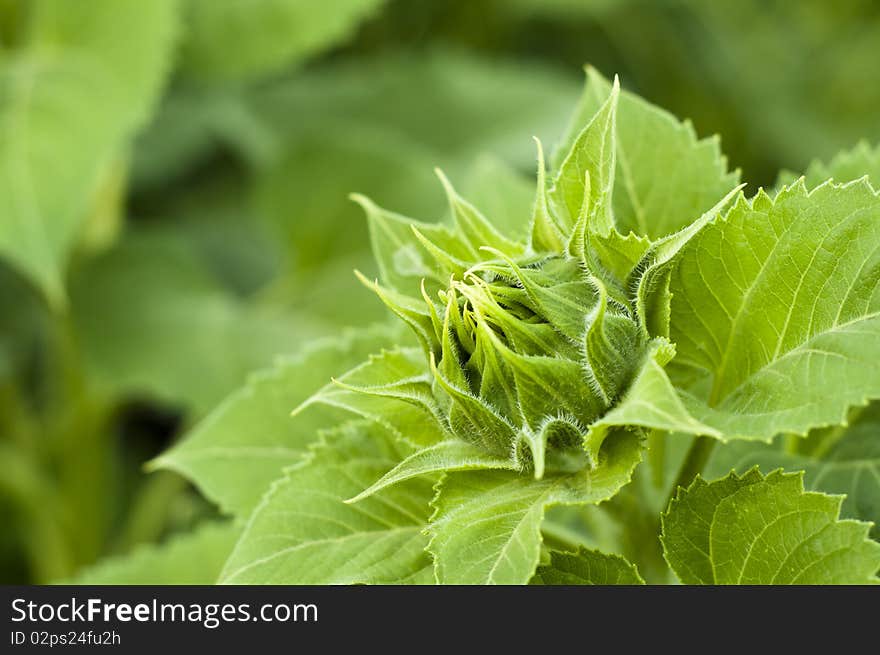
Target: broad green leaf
{"x": 487, "y": 525}
{"x": 845, "y": 166}
{"x": 235, "y": 453}
{"x": 388, "y": 154}
{"x": 190, "y": 122}
{"x": 586, "y": 567}
{"x": 194, "y": 558}
{"x": 847, "y": 462}
{"x": 268, "y": 35}
{"x": 652, "y": 294}
{"x": 304, "y": 533}
{"x": 665, "y": 176}
{"x": 154, "y": 321}
{"x": 450, "y": 103}
{"x": 77, "y": 83}
{"x": 764, "y": 530}
{"x": 778, "y": 306}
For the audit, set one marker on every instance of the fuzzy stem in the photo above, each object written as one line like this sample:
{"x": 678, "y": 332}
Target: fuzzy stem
{"x": 694, "y": 463}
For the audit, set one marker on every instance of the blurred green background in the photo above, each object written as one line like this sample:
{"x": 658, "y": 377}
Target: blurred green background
{"x": 174, "y": 178}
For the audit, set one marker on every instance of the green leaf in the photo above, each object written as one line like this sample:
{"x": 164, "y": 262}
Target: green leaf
{"x": 665, "y": 176}
{"x": 587, "y": 567}
{"x": 652, "y": 293}
{"x": 268, "y": 34}
{"x": 304, "y": 533}
{"x": 845, "y": 460}
{"x": 194, "y": 558}
{"x": 764, "y": 530}
{"x": 777, "y": 308}
{"x": 487, "y": 106}
{"x": 154, "y": 321}
{"x": 846, "y": 166}
{"x": 388, "y": 154}
{"x": 76, "y": 85}
{"x": 487, "y": 525}
{"x": 235, "y": 453}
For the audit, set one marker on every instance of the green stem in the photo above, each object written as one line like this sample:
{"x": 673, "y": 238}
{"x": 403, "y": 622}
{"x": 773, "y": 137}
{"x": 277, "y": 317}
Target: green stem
{"x": 563, "y": 537}
{"x": 657, "y": 456}
{"x": 832, "y": 436}
{"x": 74, "y": 451}
{"x": 148, "y": 514}
{"x": 42, "y": 533}
{"x": 695, "y": 461}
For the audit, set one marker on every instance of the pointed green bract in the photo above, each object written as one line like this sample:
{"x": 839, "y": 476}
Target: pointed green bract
{"x": 303, "y": 532}
{"x": 665, "y": 176}
{"x": 585, "y": 180}
{"x": 400, "y": 251}
{"x": 611, "y": 342}
{"x": 651, "y": 402}
{"x": 501, "y": 338}
{"x": 235, "y": 453}
{"x": 392, "y": 388}
{"x": 587, "y": 567}
{"x": 546, "y": 234}
{"x": 780, "y": 303}
{"x": 487, "y": 525}
{"x": 473, "y": 226}
{"x": 452, "y": 455}
{"x": 765, "y": 530}
{"x": 72, "y": 91}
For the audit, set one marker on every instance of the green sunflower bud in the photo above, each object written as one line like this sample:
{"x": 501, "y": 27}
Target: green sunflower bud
{"x": 525, "y": 350}
{"x": 532, "y": 337}
{"x": 533, "y": 334}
